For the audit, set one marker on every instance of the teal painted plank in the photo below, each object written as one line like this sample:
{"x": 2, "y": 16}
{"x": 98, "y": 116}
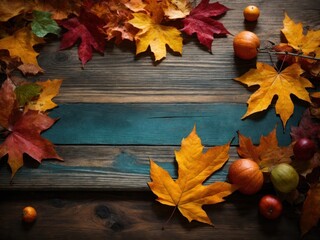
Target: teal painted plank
{"x": 162, "y": 124}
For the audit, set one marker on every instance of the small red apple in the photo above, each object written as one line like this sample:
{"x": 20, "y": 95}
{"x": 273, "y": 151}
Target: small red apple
{"x": 270, "y": 206}
{"x": 304, "y": 149}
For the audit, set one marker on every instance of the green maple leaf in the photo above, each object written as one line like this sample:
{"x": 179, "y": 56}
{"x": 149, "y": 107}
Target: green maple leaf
{"x": 43, "y": 24}
{"x": 27, "y": 92}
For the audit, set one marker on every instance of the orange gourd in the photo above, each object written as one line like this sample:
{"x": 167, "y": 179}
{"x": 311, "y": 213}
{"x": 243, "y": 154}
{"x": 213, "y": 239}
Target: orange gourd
{"x": 251, "y": 13}
{"x": 246, "y": 44}
{"x": 246, "y": 175}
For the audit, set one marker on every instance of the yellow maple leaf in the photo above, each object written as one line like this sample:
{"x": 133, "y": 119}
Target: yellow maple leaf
{"x": 294, "y": 34}
{"x": 187, "y": 192}
{"x": 155, "y": 35}
{"x": 175, "y": 9}
{"x": 20, "y": 44}
{"x": 272, "y": 83}
{"x": 50, "y": 89}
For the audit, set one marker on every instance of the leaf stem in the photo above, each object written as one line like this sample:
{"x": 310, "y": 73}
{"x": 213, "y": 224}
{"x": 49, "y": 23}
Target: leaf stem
{"x": 288, "y": 53}
{"x": 166, "y": 223}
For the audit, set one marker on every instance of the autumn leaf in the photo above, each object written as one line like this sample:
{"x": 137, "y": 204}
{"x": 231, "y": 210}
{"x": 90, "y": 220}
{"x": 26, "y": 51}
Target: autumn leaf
{"x": 20, "y": 44}
{"x": 27, "y": 92}
{"x": 187, "y": 192}
{"x": 59, "y": 9}
{"x": 87, "y": 28}
{"x": 200, "y": 21}
{"x": 24, "y": 137}
{"x": 12, "y": 8}
{"x": 7, "y": 101}
{"x": 155, "y": 35}
{"x": 174, "y": 9}
{"x": 296, "y": 38}
{"x": 272, "y": 83}
{"x": 43, "y": 24}
{"x": 134, "y": 5}
{"x": 50, "y": 89}
{"x": 311, "y": 209}
{"x": 267, "y": 154}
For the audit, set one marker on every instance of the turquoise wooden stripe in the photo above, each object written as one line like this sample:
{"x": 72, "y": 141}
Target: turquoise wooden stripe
{"x": 161, "y": 124}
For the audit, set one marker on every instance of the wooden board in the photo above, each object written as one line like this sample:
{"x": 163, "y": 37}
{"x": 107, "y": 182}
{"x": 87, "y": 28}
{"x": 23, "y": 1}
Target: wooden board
{"x": 122, "y": 110}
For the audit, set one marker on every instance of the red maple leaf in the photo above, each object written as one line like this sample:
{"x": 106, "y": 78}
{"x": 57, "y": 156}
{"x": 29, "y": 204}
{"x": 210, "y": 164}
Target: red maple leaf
{"x": 200, "y": 21}
{"x": 86, "y": 27}
{"x": 22, "y": 130}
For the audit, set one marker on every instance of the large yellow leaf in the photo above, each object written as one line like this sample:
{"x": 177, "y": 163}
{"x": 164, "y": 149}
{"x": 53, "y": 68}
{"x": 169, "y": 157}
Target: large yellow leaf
{"x": 155, "y": 35}
{"x": 187, "y": 192}
{"x": 294, "y": 34}
{"x": 20, "y": 44}
{"x": 272, "y": 83}
{"x": 50, "y": 89}
{"x": 12, "y": 8}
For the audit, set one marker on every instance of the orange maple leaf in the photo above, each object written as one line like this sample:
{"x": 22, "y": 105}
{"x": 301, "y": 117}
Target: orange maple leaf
{"x": 187, "y": 192}
{"x": 272, "y": 83}
{"x": 50, "y": 89}
{"x": 267, "y": 154}
{"x": 294, "y": 34}
{"x": 310, "y": 215}
{"x": 20, "y": 44}
{"x": 152, "y": 33}
{"x": 12, "y": 8}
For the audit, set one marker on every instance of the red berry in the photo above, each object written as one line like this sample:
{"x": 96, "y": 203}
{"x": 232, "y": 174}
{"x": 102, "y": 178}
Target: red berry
{"x": 304, "y": 149}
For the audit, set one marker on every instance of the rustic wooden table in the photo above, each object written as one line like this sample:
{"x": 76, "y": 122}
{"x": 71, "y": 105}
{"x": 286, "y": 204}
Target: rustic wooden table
{"x": 120, "y": 111}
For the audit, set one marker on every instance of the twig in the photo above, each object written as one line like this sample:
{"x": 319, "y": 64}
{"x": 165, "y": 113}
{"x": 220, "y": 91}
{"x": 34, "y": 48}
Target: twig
{"x": 289, "y": 53}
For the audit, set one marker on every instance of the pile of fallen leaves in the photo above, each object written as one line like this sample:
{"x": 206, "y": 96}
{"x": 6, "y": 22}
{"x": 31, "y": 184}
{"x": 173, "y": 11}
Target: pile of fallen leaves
{"x": 150, "y": 24}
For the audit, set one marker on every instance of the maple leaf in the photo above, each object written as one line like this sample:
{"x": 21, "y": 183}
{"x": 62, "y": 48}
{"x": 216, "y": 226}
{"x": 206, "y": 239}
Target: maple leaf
{"x": 315, "y": 105}
{"x": 26, "y": 92}
{"x": 311, "y": 209}
{"x": 267, "y": 154}
{"x": 187, "y": 192}
{"x": 50, "y": 89}
{"x": 86, "y": 27}
{"x": 24, "y": 137}
{"x": 20, "y": 44}
{"x": 12, "y": 8}
{"x": 294, "y": 34}
{"x": 43, "y": 24}
{"x": 135, "y": 5}
{"x": 272, "y": 83}
{"x": 174, "y": 9}
{"x": 200, "y": 21}
{"x": 155, "y": 35}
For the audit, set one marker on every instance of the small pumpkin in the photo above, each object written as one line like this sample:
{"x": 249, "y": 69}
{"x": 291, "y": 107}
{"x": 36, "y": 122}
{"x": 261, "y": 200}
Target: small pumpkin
{"x": 284, "y": 178}
{"x": 246, "y": 44}
{"x": 251, "y": 13}
{"x": 246, "y": 174}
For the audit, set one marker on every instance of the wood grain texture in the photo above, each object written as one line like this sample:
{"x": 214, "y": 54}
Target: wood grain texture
{"x": 99, "y": 168}
{"x": 136, "y": 215}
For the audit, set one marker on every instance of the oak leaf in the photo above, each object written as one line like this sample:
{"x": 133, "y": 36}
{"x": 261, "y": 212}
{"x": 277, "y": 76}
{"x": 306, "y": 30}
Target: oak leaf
{"x": 155, "y": 35}
{"x": 20, "y": 44}
{"x": 50, "y": 89}
{"x": 272, "y": 83}
{"x": 267, "y": 154}
{"x": 87, "y": 28}
{"x": 201, "y": 21}
{"x": 310, "y": 215}
{"x": 187, "y": 192}
{"x": 296, "y": 38}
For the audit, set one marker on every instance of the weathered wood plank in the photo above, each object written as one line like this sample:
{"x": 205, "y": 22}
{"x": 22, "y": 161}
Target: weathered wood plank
{"x": 136, "y": 215}
{"x": 98, "y": 168}
{"x": 162, "y": 124}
